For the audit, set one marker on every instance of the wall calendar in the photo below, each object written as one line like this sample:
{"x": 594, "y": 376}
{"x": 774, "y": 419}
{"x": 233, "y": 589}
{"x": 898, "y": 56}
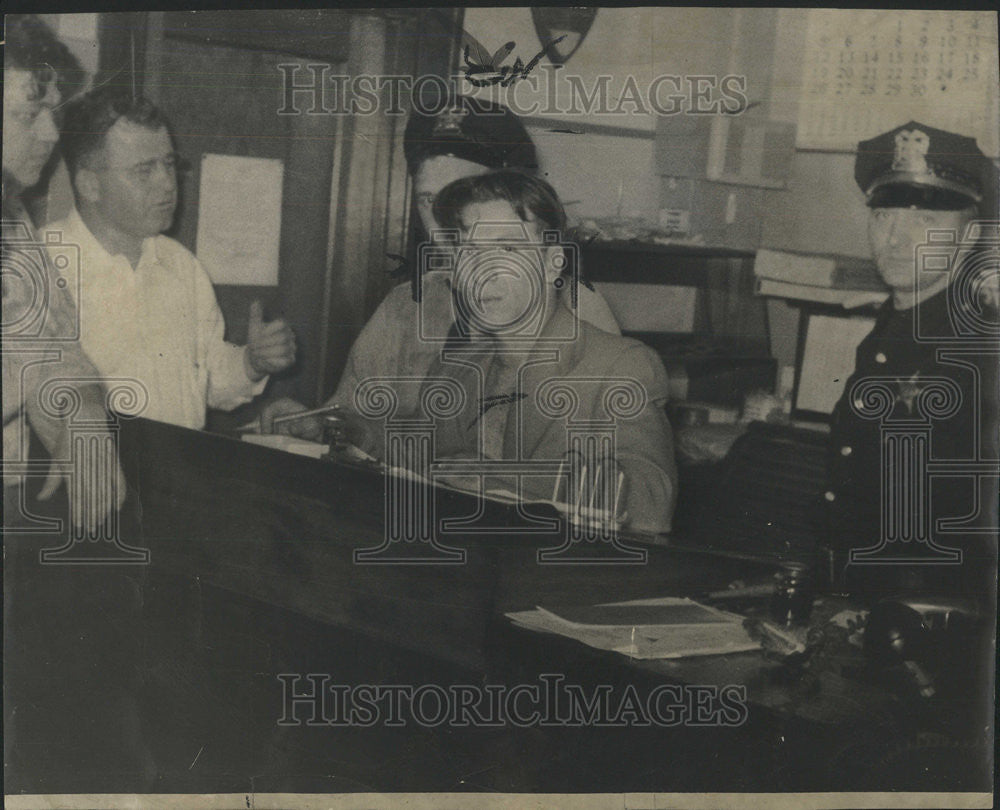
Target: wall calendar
{"x": 867, "y": 71}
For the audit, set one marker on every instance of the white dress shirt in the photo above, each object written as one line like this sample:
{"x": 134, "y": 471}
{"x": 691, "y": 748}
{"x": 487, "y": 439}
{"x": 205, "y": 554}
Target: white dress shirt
{"x": 158, "y": 324}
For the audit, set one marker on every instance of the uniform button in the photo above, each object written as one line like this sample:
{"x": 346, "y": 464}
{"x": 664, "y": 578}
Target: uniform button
{"x": 846, "y": 450}
{"x": 829, "y": 495}
{"x": 859, "y": 404}
{"x": 880, "y": 358}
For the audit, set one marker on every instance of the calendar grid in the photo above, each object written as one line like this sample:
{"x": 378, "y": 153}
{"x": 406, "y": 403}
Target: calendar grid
{"x": 869, "y": 71}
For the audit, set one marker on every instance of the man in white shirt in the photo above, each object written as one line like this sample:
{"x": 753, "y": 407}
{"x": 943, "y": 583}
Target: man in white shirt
{"x": 147, "y": 307}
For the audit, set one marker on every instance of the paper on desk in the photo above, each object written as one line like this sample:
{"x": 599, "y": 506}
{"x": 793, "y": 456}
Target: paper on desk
{"x": 682, "y": 628}
{"x": 670, "y": 611}
{"x": 290, "y": 444}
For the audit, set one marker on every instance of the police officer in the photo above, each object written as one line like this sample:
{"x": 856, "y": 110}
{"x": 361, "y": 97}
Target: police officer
{"x": 924, "y": 387}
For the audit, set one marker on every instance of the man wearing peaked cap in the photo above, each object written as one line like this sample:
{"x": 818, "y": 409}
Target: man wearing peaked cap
{"x": 918, "y": 166}
{"x": 924, "y": 188}
{"x": 467, "y": 137}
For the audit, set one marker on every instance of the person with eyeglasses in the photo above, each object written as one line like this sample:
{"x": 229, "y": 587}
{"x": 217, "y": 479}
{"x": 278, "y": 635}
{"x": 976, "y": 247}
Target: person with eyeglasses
{"x": 37, "y": 312}
{"x": 148, "y": 310}
{"x": 70, "y": 647}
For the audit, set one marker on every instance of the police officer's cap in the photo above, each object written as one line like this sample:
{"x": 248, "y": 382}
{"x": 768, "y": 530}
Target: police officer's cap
{"x": 919, "y": 166}
{"x": 480, "y": 131}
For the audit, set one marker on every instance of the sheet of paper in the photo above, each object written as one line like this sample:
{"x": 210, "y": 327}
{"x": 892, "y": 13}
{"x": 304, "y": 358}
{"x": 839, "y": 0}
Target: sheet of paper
{"x": 687, "y": 629}
{"x": 652, "y": 612}
{"x": 239, "y": 219}
{"x": 828, "y": 359}
{"x": 642, "y": 643}
{"x": 289, "y": 444}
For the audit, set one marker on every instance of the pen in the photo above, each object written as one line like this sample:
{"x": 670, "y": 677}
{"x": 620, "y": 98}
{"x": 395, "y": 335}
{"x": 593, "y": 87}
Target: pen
{"x": 288, "y": 417}
{"x": 747, "y": 591}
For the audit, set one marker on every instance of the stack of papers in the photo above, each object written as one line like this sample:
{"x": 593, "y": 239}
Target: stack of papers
{"x": 827, "y": 279}
{"x": 666, "y": 627}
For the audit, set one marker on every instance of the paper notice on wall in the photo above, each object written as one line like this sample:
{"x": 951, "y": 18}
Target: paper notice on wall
{"x": 239, "y": 219}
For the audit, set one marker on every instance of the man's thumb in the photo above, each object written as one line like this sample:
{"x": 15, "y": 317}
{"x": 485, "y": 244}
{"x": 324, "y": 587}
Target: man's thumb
{"x": 256, "y": 319}
{"x": 52, "y": 481}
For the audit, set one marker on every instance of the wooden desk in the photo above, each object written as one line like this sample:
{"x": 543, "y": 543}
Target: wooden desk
{"x": 283, "y": 530}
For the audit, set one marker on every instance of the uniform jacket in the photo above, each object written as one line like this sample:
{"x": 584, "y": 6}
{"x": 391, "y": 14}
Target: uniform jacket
{"x": 911, "y": 346}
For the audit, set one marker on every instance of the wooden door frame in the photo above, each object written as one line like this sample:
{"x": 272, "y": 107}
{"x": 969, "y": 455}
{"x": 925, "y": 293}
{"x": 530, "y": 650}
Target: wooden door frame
{"x": 370, "y": 212}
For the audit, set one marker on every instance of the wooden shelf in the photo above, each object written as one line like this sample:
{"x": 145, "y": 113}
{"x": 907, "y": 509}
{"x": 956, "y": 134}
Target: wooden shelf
{"x": 678, "y": 249}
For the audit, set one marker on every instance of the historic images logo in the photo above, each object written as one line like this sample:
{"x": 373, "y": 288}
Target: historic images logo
{"x": 316, "y": 699}
{"x": 41, "y": 282}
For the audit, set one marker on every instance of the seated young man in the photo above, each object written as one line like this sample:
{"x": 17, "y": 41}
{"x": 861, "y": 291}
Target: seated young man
{"x": 467, "y": 137}
{"x": 529, "y": 369}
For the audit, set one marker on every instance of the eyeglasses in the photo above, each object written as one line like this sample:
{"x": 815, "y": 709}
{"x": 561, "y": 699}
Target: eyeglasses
{"x": 28, "y": 113}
